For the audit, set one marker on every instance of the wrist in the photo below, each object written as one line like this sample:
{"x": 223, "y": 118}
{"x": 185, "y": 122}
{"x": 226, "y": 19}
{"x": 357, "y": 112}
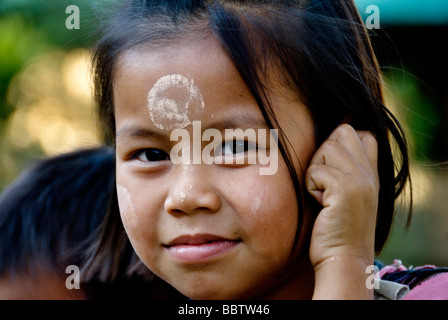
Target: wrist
{"x": 343, "y": 278}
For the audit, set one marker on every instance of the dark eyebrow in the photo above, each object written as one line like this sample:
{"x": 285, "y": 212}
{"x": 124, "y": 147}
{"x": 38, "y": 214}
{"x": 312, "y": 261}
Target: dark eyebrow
{"x": 242, "y": 121}
{"x": 137, "y": 132}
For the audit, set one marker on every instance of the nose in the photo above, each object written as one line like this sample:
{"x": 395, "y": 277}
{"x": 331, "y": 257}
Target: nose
{"x": 192, "y": 192}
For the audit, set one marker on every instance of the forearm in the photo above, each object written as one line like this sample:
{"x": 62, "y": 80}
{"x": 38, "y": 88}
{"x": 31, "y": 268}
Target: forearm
{"x": 342, "y": 278}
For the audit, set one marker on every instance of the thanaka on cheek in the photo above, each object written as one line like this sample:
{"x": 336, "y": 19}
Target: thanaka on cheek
{"x": 126, "y": 206}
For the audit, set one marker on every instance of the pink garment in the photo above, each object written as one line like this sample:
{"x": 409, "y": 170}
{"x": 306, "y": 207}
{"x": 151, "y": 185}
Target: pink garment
{"x": 434, "y": 288}
{"x": 431, "y": 283}
{"x": 397, "y": 266}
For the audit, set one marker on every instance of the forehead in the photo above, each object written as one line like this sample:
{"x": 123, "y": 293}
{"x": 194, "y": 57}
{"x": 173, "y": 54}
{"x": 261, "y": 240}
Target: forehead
{"x": 190, "y": 80}
{"x": 199, "y": 59}
{"x": 205, "y": 65}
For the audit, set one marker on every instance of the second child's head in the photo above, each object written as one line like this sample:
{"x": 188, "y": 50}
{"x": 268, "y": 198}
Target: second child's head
{"x": 175, "y": 79}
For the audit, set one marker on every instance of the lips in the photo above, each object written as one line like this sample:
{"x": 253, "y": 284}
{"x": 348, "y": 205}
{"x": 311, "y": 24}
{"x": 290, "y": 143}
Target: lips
{"x": 190, "y": 249}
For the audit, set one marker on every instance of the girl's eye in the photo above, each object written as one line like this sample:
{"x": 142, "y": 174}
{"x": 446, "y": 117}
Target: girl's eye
{"x": 152, "y": 155}
{"x": 235, "y": 147}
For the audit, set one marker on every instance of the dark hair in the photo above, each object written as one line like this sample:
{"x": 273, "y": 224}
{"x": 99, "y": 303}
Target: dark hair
{"x": 320, "y": 47}
{"x": 50, "y": 216}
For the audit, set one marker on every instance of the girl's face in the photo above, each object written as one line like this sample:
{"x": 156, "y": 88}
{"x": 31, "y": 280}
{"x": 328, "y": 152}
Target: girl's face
{"x": 213, "y": 231}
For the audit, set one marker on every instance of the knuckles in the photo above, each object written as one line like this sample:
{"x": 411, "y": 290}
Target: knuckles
{"x": 343, "y": 130}
{"x": 341, "y": 164}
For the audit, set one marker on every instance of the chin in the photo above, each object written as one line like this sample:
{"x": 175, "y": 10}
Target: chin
{"x": 208, "y": 293}
{"x": 204, "y": 290}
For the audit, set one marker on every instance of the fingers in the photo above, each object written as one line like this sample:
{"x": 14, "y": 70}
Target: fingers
{"x": 346, "y": 153}
{"x": 320, "y": 177}
{"x": 343, "y": 178}
{"x": 345, "y": 146}
{"x": 370, "y": 147}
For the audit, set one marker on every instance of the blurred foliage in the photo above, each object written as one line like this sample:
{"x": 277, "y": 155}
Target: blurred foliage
{"x": 416, "y": 111}
{"x": 29, "y": 28}
{"x": 36, "y": 51}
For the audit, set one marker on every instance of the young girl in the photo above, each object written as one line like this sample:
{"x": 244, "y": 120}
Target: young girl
{"x": 172, "y": 75}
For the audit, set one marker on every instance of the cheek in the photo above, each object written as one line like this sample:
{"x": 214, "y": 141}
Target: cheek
{"x": 127, "y": 208}
{"x": 268, "y": 211}
{"x": 137, "y": 213}
{"x": 274, "y": 214}
{"x": 139, "y": 220}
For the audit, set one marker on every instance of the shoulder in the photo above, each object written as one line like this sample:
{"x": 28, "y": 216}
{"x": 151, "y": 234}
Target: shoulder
{"x": 426, "y": 282}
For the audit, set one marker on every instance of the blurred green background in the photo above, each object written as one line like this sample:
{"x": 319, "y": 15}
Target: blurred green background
{"x": 46, "y": 105}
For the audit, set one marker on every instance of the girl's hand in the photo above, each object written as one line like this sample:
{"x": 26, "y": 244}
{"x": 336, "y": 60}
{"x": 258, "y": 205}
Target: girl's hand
{"x": 343, "y": 178}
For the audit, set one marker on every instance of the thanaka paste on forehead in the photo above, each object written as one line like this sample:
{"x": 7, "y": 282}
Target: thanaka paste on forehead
{"x": 168, "y": 112}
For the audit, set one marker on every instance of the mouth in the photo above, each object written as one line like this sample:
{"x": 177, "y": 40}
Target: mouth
{"x": 199, "y": 248}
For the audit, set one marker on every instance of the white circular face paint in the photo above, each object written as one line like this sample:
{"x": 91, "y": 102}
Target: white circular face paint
{"x": 126, "y": 206}
{"x": 172, "y": 100}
